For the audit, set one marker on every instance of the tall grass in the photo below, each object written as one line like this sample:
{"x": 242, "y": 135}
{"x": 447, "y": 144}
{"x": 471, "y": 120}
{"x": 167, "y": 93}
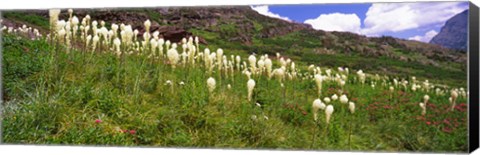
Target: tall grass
{"x": 54, "y": 97}
{"x": 39, "y": 110}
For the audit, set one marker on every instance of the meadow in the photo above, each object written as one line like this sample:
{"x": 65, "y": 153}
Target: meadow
{"x": 85, "y": 84}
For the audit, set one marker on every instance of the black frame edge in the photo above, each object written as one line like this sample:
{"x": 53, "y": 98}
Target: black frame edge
{"x": 473, "y": 67}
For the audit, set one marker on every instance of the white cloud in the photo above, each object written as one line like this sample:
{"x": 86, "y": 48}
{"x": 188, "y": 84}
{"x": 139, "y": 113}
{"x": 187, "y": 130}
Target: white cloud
{"x": 263, "y": 9}
{"x": 383, "y": 18}
{"x": 336, "y": 22}
{"x": 425, "y": 38}
{"x": 396, "y": 17}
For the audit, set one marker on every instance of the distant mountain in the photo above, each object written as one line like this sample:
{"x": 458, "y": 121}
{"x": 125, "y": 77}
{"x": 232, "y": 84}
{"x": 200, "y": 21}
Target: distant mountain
{"x": 454, "y": 33}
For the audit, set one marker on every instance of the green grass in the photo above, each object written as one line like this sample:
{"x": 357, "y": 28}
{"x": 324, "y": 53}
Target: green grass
{"x": 227, "y": 30}
{"x": 23, "y": 59}
{"x": 29, "y": 18}
{"x": 258, "y": 27}
{"x": 56, "y": 100}
{"x": 299, "y": 47}
{"x": 385, "y": 65}
{"x": 153, "y": 15}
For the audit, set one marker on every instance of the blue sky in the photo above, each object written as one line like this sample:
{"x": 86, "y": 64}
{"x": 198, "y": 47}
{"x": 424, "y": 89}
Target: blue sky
{"x": 300, "y": 13}
{"x": 415, "y": 21}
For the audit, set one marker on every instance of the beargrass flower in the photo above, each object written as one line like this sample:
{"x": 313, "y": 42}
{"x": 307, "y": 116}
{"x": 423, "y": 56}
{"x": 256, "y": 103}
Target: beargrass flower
{"x": 351, "y": 107}
{"x": 334, "y": 97}
{"x": 453, "y": 95}
{"x": 343, "y": 99}
{"x": 424, "y": 108}
{"x": 211, "y": 84}
{"x": 253, "y": 61}
{"x": 250, "y": 86}
{"x": 318, "y": 82}
{"x": 317, "y": 104}
{"x": 53, "y": 13}
{"x": 326, "y": 100}
{"x": 425, "y": 99}
{"x": 173, "y": 57}
{"x": 328, "y": 113}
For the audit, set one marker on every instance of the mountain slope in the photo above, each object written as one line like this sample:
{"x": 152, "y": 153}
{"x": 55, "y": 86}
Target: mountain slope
{"x": 242, "y": 31}
{"x": 454, "y": 33}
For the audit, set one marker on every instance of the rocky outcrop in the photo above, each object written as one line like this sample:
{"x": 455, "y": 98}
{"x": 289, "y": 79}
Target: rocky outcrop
{"x": 454, "y": 33}
{"x": 174, "y": 34}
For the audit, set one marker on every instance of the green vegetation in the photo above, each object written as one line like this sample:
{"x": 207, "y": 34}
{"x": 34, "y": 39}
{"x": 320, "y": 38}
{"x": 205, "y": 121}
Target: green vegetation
{"x": 96, "y": 98}
{"x": 389, "y": 66}
{"x": 93, "y": 100}
{"x": 28, "y": 18}
{"x": 299, "y": 47}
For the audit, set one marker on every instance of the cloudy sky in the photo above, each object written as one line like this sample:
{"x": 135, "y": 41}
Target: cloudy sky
{"x": 416, "y": 21}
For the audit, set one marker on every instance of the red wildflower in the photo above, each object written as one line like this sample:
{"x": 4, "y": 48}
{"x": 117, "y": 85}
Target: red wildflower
{"x": 433, "y": 106}
{"x": 428, "y": 122}
{"x": 461, "y": 107}
{"x": 447, "y": 130}
{"x": 446, "y": 121}
{"x": 458, "y": 108}
{"x": 98, "y": 121}
{"x": 133, "y": 132}
{"x": 387, "y": 107}
{"x": 420, "y": 118}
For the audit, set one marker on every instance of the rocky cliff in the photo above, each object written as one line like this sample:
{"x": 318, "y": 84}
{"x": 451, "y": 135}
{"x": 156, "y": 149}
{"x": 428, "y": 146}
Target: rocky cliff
{"x": 454, "y": 33}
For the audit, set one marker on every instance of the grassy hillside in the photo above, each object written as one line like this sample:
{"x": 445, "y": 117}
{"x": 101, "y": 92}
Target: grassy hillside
{"x": 305, "y": 52}
{"x": 78, "y": 96}
{"x": 240, "y": 30}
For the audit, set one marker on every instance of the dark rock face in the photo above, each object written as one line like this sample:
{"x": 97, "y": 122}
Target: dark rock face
{"x": 172, "y": 33}
{"x": 454, "y": 33}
